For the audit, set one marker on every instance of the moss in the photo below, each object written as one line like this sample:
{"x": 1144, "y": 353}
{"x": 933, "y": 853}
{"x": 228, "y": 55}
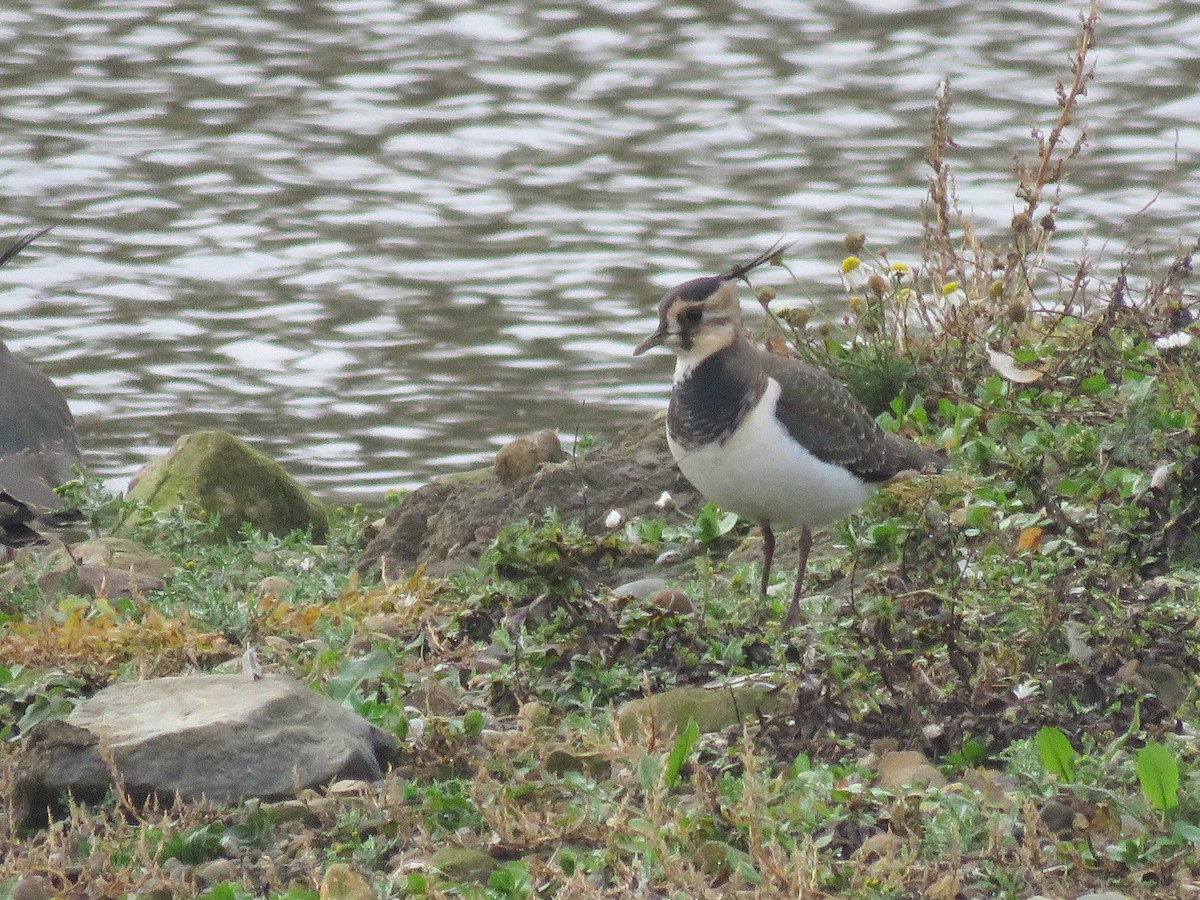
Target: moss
{"x": 712, "y": 710}
{"x": 225, "y": 477}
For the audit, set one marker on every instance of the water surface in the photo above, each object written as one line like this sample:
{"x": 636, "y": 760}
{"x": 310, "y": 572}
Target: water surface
{"x": 379, "y": 238}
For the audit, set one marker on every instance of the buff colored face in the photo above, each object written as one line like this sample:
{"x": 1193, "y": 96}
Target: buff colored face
{"x": 696, "y": 319}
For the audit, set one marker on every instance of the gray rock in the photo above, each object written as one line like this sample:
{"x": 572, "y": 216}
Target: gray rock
{"x": 216, "y": 871}
{"x": 434, "y": 697}
{"x": 222, "y": 737}
{"x": 119, "y": 553}
{"x": 516, "y": 460}
{"x": 102, "y": 567}
{"x": 217, "y": 473}
{"x": 32, "y": 887}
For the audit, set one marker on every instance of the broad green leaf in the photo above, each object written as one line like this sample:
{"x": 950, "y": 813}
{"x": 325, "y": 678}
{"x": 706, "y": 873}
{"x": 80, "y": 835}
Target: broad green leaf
{"x": 711, "y": 523}
{"x": 1187, "y": 832}
{"x": 648, "y": 769}
{"x": 1159, "y": 776}
{"x": 1058, "y": 756}
{"x": 355, "y": 671}
{"x": 679, "y": 752}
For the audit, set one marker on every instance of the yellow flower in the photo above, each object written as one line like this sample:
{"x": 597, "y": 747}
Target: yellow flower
{"x": 854, "y": 274}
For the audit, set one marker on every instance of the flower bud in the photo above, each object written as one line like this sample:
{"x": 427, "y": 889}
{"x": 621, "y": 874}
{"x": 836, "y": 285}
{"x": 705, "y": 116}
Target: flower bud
{"x": 797, "y": 317}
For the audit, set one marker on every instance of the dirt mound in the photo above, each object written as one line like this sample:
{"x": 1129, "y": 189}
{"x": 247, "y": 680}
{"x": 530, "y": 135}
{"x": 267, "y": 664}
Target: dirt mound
{"x": 447, "y": 524}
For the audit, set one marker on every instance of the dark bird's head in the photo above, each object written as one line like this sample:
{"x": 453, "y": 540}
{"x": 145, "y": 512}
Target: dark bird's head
{"x": 701, "y": 316}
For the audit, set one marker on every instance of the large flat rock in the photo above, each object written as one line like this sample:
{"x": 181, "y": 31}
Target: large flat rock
{"x": 220, "y": 737}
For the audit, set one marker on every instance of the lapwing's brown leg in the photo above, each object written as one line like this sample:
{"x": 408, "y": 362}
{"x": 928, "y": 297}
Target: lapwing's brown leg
{"x": 768, "y": 555}
{"x": 793, "y": 612}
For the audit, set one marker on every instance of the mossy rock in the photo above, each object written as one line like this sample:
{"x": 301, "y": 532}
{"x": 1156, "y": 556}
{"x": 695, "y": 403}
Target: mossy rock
{"x": 220, "y": 475}
{"x": 713, "y": 709}
{"x": 461, "y": 864}
{"x": 717, "y": 858}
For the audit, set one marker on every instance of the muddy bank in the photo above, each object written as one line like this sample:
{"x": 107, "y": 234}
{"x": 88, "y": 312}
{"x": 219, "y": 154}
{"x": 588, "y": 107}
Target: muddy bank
{"x": 446, "y": 525}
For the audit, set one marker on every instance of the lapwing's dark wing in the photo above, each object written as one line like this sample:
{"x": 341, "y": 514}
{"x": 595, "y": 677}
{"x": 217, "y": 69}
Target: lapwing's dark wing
{"x": 822, "y": 414}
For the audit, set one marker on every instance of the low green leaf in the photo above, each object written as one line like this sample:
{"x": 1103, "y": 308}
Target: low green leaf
{"x": 1058, "y": 756}
{"x": 1187, "y": 832}
{"x": 194, "y": 846}
{"x": 711, "y": 523}
{"x": 355, "y": 671}
{"x": 473, "y": 723}
{"x": 1159, "y": 776}
{"x": 679, "y": 752}
{"x": 648, "y": 769}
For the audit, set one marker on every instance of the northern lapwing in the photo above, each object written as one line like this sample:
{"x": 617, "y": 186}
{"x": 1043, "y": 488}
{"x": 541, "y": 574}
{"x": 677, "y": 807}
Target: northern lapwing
{"x": 772, "y": 438}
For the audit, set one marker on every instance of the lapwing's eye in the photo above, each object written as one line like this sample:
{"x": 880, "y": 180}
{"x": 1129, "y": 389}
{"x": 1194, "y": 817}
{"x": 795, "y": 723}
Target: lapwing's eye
{"x": 692, "y": 315}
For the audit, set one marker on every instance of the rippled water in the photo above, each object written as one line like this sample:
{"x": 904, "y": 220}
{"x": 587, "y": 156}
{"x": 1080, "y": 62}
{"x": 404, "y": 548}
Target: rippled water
{"x": 379, "y": 237}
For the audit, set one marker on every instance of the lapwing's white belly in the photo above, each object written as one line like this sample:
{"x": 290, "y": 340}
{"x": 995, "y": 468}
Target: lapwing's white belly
{"x": 762, "y": 474}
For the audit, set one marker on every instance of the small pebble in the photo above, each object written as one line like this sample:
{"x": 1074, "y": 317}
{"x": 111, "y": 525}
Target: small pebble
{"x": 32, "y": 887}
{"x": 273, "y": 586}
{"x": 516, "y": 460}
{"x": 1058, "y": 817}
{"x": 216, "y": 871}
{"x": 672, "y": 602}
{"x": 549, "y": 448}
{"x": 639, "y": 589}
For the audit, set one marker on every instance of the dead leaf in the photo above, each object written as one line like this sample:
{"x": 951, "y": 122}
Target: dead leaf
{"x": 907, "y": 768}
{"x": 996, "y": 791}
{"x": 1008, "y": 368}
{"x": 883, "y": 845}
{"x": 945, "y": 888}
{"x": 1030, "y": 538}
